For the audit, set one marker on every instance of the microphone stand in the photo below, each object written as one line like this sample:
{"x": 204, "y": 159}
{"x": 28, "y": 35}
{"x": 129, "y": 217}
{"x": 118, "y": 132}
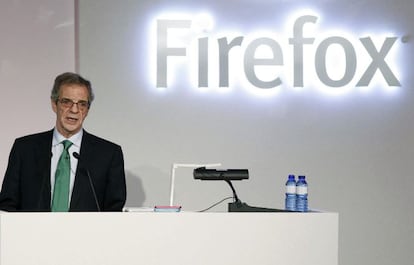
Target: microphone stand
{"x": 77, "y": 156}
{"x": 227, "y": 175}
{"x": 239, "y": 206}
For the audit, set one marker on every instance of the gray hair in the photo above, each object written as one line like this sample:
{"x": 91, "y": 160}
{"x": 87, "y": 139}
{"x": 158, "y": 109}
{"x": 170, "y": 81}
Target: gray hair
{"x": 70, "y": 79}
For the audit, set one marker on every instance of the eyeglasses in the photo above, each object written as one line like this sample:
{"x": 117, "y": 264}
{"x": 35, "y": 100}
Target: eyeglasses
{"x": 68, "y": 103}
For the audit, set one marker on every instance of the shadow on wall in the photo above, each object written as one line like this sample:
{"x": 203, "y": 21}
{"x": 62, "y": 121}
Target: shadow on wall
{"x": 135, "y": 190}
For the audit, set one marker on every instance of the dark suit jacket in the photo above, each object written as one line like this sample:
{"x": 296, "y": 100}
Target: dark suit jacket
{"x": 26, "y": 184}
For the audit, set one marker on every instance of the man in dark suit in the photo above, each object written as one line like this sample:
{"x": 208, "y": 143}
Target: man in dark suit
{"x": 97, "y": 176}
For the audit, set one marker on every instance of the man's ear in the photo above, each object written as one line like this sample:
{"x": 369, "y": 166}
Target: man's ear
{"x": 54, "y": 105}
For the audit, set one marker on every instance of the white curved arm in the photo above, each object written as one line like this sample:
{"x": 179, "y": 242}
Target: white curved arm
{"x": 177, "y": 165}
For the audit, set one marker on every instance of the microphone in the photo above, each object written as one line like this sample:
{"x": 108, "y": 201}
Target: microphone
{"x": 203, "y": 173}
{"x": 77, "y": 156}
{"x": 212, "y": 174}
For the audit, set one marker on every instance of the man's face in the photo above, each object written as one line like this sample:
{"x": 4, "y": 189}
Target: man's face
{"x": 70, "y": 117}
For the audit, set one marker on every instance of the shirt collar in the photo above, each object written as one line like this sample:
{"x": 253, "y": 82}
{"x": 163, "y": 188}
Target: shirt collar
{"x": 76, "y": 139}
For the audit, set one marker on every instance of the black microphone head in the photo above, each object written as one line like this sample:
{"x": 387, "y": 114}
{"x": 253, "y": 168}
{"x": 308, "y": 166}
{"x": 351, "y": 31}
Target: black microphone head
{"x": 212, "y": 174}
{"x": 76, "y": 155}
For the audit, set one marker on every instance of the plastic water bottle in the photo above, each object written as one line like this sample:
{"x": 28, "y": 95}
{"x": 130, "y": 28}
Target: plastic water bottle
{"x": 301, "y": 194}
{"x": 290, "y": 199}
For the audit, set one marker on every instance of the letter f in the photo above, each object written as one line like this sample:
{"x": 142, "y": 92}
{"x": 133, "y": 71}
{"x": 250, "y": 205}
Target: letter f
{"x": 163, "y": 51}
{"x": 297, "y": 41}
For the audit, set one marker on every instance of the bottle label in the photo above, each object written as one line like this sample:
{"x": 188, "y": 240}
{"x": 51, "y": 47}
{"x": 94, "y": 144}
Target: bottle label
{"x": 291, "y": 189}
{"x": 301, "y": 190}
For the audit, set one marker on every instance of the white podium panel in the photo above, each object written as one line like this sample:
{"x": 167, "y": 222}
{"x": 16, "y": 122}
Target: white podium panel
{"x": 169, "y": 238}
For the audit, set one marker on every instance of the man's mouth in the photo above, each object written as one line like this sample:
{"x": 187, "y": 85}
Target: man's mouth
{"x": 72, "y": 119}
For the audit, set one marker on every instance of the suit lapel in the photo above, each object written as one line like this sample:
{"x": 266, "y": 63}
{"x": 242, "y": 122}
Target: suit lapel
{"x": 81, "y": 178}
{"x": 43, "y": 151}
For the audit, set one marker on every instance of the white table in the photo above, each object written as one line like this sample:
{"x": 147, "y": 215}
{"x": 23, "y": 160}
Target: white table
{"x": 169, "y": 238}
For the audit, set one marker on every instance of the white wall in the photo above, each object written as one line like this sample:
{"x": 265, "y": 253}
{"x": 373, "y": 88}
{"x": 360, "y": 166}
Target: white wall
{"x": 355, "y": 149}
{"x": 36, "y": 44}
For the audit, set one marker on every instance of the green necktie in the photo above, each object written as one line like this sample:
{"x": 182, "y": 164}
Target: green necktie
{"x": 60, "y": 202}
